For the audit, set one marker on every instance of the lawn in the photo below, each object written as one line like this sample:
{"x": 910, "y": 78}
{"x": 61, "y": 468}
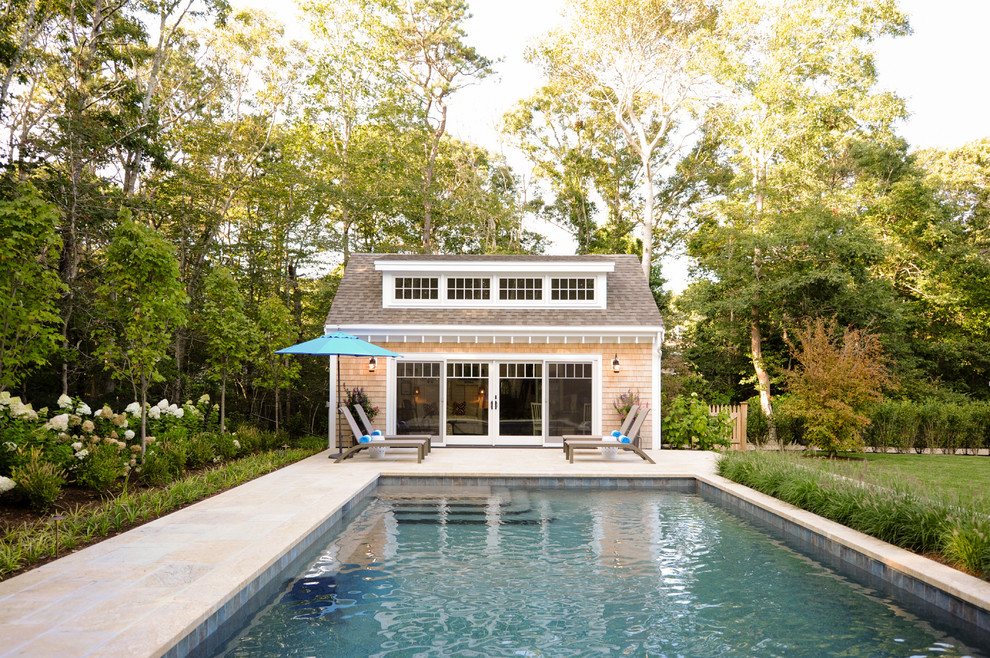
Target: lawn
{"x": 965, "y": 476}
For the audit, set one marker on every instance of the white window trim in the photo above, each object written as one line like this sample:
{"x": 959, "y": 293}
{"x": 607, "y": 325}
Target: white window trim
{"x": 599, "y": 302}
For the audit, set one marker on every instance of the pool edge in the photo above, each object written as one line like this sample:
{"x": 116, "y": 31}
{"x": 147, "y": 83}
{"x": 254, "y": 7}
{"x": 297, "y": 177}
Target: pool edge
{"x": 957, "y": 594}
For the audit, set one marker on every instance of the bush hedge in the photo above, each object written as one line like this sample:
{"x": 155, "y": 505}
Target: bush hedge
{"x": 930, "y": 425}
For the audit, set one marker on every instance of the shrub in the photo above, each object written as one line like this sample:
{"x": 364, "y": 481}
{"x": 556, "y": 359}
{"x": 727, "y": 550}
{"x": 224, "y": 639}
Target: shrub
{"x": 689, "y": 424}
{"x": 836, "y": 383}
{"x": 103, "y": 466}
{"x": 164, "y": 462}
{"x": 199, "y": 450}
{"x": 887, "y": 509}
{"x": 39, "y": 480}
{"x": 932, "y": 425}
{"x": 757, "y": 427}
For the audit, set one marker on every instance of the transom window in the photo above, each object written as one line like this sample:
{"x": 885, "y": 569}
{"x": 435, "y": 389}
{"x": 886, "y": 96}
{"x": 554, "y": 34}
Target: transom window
{"x": 521, "y": 288}
{"x": 469, "y": 288}
{"x": 411, "y": 369}
{"x": 520, "y": 370}
{"x": 417, "y": 287}
{"x": 570, "y": 370}
{"x": 572, "y": 289}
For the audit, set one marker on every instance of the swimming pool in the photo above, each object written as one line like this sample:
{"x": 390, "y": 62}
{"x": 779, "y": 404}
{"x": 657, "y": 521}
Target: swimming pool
{"x": 498, "y": 571}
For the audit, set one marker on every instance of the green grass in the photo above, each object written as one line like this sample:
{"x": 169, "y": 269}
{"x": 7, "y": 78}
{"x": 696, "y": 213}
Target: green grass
{"x": 906, "y": 502}
{"x": 964, "y": 477}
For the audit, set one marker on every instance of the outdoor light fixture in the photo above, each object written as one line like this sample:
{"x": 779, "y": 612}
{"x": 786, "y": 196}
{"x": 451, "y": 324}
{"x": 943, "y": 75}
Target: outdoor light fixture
{"x": 372, "y": 364}
{"x": 616, "y": 367}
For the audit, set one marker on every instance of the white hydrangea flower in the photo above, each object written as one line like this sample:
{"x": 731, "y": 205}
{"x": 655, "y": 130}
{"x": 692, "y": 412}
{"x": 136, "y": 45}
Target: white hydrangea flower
{"x": 6, "y": 484}
{"x": 237, "y": 444}
{"x": 129, "y": 434}
{"x": 64, "y": 401}
{"x": 204, "y": 399}
{"x": 82, "y": 454}
{"x": 84, "y": 410}
{"x": 4, "y": 398}
{"x": 163, "y": 404}
{"x": 77, "y": 445}
{"x": 59, "y": 422}
{"x": 172, "y": 408}
{"x": 179, "y": 413}
{"x": 155, "y": 412}
{"x": 134, "y": 409}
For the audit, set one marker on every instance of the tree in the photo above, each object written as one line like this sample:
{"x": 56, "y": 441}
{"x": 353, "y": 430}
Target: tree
{"x": 141, "y": 302}
{"x": 29, "y": 284}
{"x": 228, "y": 331}
{"x": 639, "y": 60}
{"x": 836, "y": 384}
{"x": 428, "y": 37}
{"x": 275, "y": 330}
{"x": 801, "y": 79}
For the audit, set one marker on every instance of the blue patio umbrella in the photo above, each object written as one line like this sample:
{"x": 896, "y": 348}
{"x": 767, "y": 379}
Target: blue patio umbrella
{"x": 338, "y": 344}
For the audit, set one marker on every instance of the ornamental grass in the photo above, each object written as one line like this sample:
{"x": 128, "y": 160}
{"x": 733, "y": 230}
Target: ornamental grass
{"x": 30, "y": 544}
{"x": 952, "y": 528}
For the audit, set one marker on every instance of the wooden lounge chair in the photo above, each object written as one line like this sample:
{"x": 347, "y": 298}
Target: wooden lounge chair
{"x": 366, "y": 422}
{"x": 577, "y": 442}
{"x": 624, "y": 429}
{"x": 421, "y": 445}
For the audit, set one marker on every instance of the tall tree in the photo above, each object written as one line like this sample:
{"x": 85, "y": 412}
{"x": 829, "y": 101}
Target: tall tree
{"x": 230, "y": 335}
{"x": 802, "y": 87}
{"x": 29, "y": 284}
{"x": 141, "y": 302}
{"x": 641, "y": 61}
{"x": 428, "y": 37}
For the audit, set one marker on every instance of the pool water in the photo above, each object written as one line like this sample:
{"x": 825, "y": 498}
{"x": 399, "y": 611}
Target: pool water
{"x": 565, "y": 573}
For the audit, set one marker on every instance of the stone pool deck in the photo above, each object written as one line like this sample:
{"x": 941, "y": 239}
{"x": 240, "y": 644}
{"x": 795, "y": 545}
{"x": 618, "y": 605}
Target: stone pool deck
{"x": 141, "y": 592}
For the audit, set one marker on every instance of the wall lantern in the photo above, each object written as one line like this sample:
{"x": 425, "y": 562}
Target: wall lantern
{"x": 616, "y": 367}
{"x": 372, "y": 364}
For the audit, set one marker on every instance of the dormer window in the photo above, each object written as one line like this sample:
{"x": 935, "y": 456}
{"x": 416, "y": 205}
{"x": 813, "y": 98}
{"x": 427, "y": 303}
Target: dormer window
{"x": 510, "y": 289}
{"x": 416, "y": 287}
{"x": 469, "y": 288}
{"x": 531, "y": 284}
{"x": 572, "y": 289}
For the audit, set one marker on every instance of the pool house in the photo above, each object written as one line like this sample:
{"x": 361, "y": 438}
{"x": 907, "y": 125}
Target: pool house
{"x": 501, "y": 350}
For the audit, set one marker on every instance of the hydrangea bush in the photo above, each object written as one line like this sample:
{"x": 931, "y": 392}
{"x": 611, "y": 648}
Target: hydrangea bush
{"x": 99, "y": 448}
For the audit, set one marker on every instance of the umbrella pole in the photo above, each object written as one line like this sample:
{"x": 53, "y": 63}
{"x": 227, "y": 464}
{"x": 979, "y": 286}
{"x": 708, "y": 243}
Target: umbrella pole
{"x": 340, "y": 440}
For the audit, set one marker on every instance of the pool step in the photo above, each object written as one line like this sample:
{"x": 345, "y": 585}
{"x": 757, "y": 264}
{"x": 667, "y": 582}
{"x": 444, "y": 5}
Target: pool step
{"x": 501, "y": 506}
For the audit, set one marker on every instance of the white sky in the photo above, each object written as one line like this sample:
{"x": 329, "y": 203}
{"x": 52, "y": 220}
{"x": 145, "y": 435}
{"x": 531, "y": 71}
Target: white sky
{"x": 940, "y": 70}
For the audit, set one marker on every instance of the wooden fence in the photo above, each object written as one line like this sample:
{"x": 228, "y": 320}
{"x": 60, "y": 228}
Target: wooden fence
{"x": 737, "y": 413}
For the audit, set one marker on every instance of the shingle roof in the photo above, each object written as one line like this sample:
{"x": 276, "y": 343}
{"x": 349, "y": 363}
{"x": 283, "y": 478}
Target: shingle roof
{"x": 359, "y": 298}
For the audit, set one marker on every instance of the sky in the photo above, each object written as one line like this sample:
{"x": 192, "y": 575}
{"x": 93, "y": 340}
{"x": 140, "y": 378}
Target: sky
{"x": 940, "y": 70}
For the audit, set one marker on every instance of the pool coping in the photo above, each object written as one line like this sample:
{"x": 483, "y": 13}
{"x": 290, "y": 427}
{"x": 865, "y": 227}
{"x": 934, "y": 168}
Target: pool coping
{"x": 168, "y": 587}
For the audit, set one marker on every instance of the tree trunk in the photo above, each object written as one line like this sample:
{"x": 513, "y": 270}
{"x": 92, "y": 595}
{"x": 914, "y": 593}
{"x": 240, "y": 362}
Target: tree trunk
{"x": 647, "y": 217}
{"x": 223, "y": 399}
{"x": 144, "y": 415}
{"x": 755, "y": 334}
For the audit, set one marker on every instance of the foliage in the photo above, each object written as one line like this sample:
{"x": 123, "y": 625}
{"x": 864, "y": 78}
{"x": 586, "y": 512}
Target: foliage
{"x": 23, "y": 546}
{"x": 230, "y": 335}
{"x": 624, "y": 402}
{"x": 142, "y": 302}
{"x": 103, "y": 465}
{"x": 29, "y": 284}
{"x": 638, "y": 63}
{"x": 689, "y": 424}
{"x": 930, "y": 425}
{"x": 356, "y": 396}
{"x": 834, "y": 386}
{"x": 920, "y": 519}
{"x": 39, "y": 480}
